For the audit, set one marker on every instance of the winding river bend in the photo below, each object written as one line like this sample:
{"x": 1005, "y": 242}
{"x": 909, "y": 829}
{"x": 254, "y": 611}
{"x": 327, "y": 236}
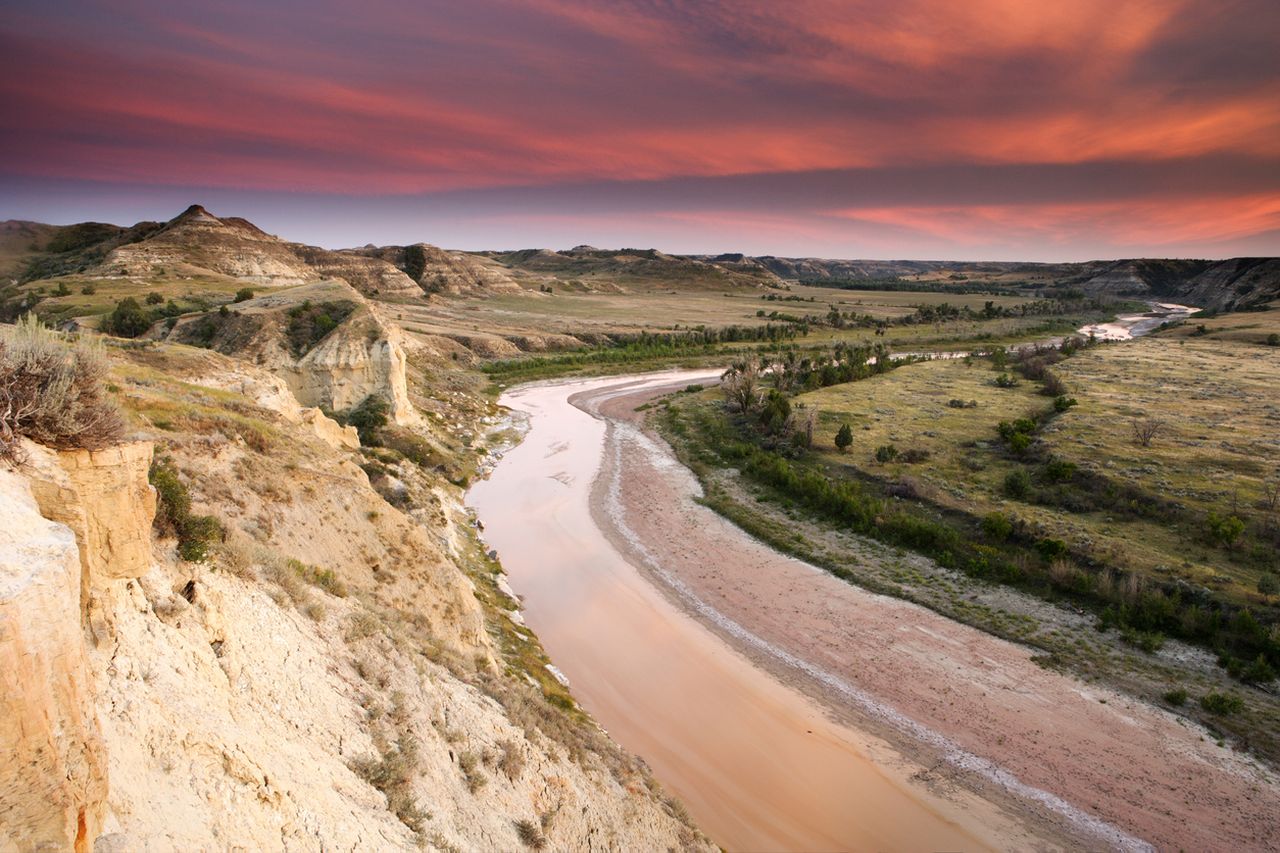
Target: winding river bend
{"x": 760, "y": 764}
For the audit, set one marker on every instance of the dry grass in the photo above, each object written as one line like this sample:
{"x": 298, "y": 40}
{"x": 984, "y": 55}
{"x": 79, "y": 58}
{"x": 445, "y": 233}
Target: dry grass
{"x": 530, "y": 834}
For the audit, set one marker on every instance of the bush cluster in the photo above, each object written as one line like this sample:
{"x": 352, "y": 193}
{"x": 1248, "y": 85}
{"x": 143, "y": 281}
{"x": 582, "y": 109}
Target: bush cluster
{"x": 309, "y": 323}
{"x": 196, "y": 534}
{"x": 52, "y": 392}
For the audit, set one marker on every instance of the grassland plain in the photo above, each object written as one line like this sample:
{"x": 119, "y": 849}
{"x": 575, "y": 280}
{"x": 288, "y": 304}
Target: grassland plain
{"x": 574, "y": 311}
{"x": 614, "y": 317}
{"x": 944, "y": 415}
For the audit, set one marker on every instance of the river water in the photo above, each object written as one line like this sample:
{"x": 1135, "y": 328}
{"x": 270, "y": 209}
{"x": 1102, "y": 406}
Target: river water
{"x": 759, "y": 765}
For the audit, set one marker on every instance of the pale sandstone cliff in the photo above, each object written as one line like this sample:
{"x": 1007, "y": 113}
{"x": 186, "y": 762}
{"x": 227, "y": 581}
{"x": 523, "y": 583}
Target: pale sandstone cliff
{"x": 53, "y": 763}
{"x": 363, "y": 356}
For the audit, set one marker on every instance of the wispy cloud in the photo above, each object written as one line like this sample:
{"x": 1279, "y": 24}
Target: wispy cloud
{"x": 429, "y": 96}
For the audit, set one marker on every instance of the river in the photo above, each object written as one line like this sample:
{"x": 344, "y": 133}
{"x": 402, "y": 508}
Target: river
{"x": 759, "y": 765}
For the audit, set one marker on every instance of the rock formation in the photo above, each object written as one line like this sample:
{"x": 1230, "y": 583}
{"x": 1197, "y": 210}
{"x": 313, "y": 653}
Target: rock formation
{"x": 53, "y": 764}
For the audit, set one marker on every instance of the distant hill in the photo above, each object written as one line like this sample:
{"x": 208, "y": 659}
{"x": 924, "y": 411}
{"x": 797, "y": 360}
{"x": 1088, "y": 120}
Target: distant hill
{"x": 192, "y": 242}
{"x": 197, "y": 241}
{"x": 1235, "y": 284}
{"x": 632, "y": 269}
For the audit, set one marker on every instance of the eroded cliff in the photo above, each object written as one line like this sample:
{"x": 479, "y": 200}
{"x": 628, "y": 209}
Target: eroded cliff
{"x": 341, "y": 672}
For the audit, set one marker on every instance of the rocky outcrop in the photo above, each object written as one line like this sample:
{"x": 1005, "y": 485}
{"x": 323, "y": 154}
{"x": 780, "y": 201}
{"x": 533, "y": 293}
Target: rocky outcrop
{"x": 370, "y": 276}
{"x": 359, "y": 359}
{"x": 330, "y": 431}
{"x": 1235, "y": 284}
{"x": 105, "y": 499}
{"x": 53, "y": 767}
{"x": 436, "y": 270}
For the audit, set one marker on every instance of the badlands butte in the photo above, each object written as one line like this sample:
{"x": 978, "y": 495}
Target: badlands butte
{"x": 257, "y": 613}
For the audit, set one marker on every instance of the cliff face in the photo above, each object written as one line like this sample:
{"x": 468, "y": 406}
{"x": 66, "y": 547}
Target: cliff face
{"x": 53, "y": 763}
{"x": 343, "y": 672}
{"x": 1236, "y": 284}
{"x": 359, "y": 359}
{"x": 104, "y": 498}
{"x": 363, "y": 355}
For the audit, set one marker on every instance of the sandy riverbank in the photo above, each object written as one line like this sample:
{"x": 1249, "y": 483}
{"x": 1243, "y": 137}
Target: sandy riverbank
{"x": 1111, "y": 770}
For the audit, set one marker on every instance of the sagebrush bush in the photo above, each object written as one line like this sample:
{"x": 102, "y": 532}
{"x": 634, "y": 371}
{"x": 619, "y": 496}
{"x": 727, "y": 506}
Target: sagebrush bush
{"x": 52, "y": 392}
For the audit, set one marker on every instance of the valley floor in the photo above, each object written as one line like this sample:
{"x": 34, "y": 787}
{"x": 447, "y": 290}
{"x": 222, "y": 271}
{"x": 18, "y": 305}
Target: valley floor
{"x": 1103, "y": 766}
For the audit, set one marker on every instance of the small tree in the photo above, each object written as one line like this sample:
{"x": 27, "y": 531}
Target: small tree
{"x": 1145, "y": 429}
{"x": 741, "y": 385}
{"x": 1271, "y": 495}
{"x": 244, "y": 294}
{"x": 128, "y": 320}
{"x": 154, "y": 298}
{"x": 775, "y": 415}
{"x": 1225, "y": 530}
{"x": 844, "y": 438}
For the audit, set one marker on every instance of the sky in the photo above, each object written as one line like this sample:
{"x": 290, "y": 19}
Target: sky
{"x": 929, "y": 129}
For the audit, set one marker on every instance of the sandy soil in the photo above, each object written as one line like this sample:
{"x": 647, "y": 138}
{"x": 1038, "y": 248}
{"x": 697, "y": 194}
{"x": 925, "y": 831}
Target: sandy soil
{"x": 1117, "y": 771}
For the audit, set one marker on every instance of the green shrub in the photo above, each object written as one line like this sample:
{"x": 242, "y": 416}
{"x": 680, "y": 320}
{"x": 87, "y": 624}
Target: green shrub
{"x": 1017, "y": 484}
{"x": 1258, "y": 671}
{"x": 1149, "y": 641}
{"x": 775, "y": 414}
{"x": 368, "y": 417}
{"x": 88, "y": 290}
{"x": 1176, "y": 697}
{"x": 1224, "y": 530}
{"x": 62, "y": 289}
{"x": 886, "y": 453}
{"x": 1268, "y": 584}
{"x": 310, "y": 323}
{"x": 1004, "y": 380}
{"x": 1050, "y": 549}
{"x": 1222, "y": 704}
{"x": 196, "y": 534}
{"x": 244, "y": 294}
{"x": 1273, "y": 340}
{"x": 1062, "y": 403}
{"x": 1059, "y": 470}
{"x": 997, "y": 526}
{"x": 153, "y": 298}
{"x": 326, "y": 579}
